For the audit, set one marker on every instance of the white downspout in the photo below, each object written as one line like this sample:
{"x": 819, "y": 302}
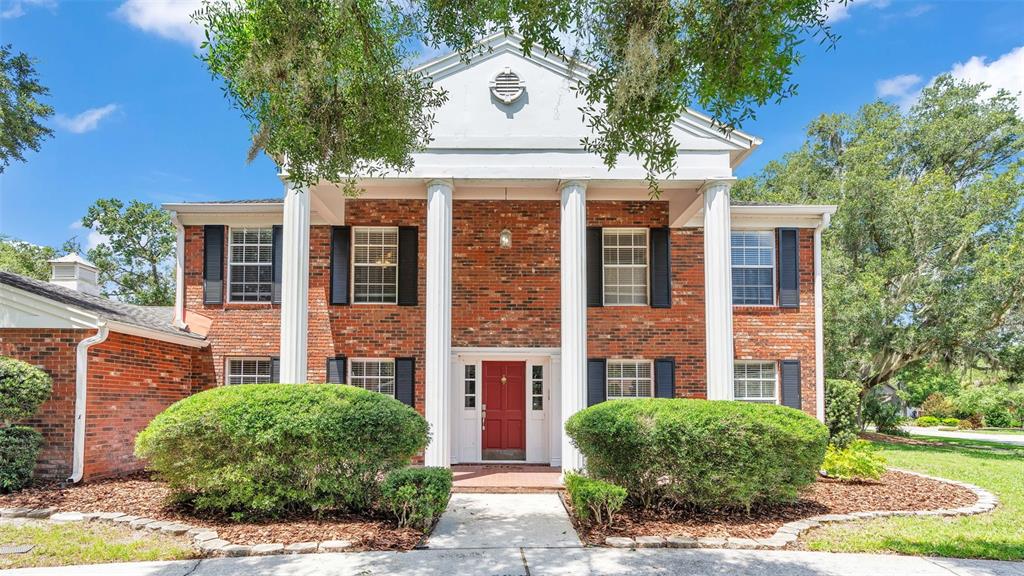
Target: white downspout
{"x": 81, "y": 380}
{"x": 179, "y": 273}
{"x": 819, "y": 322}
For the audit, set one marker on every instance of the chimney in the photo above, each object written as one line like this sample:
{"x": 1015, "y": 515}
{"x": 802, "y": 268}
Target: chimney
{"x": 73, "y": 271}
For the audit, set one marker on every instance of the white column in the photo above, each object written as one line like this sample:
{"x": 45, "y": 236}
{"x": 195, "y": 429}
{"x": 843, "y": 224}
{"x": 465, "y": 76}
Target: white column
{"x": 439, "y": 322}
{"x": 179, "y": 272}
{"x": 718, "y": 291}
{"x": 819, "y": 327}
{"x": 295, "y": 285}
{"x": 574, "y": 313}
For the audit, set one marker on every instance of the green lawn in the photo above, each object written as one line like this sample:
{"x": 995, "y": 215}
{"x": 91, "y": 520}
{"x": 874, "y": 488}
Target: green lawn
{"x": 78, "y": 543}
{"x": 1009, "y": 431}
{"x": 997, "y": 535}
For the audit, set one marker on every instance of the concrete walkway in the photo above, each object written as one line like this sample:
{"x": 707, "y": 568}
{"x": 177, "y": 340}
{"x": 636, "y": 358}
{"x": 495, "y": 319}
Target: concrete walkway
{"x": 504, "y": 521}
{"x": 553, "y": 562}
{"x": 1012, "y": 439}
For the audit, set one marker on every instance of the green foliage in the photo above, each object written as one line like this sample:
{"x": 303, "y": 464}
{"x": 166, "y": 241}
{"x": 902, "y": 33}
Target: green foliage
{"x": 922, "y": 260}
{"x": 328, "y": 85}
{"x": 927, "y": 421}
{"x": 416, "y": 496}
{"x": 594, "y": 500}
{"x": 938, "y": 406}
{"x": 706, "y": 454}
{"x": 971, "y": 422}
{"x": 26, "y": 258}
{"x": 950, "y": 421}
{"x": 23, "y": 388}
{"x": 917, "y": 384}
{"x": 21, "y": 112}
{"x": 135, "y": 262}
{"x": 884, "y": 415}
{"x": 859, "y": 461}
{"x": 992, "y": 403}
{"x": 19, "y": 446}
{"x": 842, "y": 402}
{"x": 270, "y": 449}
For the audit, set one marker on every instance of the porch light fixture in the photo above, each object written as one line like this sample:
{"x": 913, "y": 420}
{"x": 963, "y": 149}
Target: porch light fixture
{"x": 505, "y": 238}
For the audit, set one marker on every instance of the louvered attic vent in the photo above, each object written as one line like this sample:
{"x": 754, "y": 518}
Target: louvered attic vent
{"x": 507, "y": 86}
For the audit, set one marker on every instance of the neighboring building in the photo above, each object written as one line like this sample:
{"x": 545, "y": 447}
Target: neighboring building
{"x": 510, "y": 279}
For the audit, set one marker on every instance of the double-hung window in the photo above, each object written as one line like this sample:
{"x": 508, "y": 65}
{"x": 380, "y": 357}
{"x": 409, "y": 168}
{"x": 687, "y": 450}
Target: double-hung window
{"x": 377, "y": 375}
{"x": 629, "y": 379}
{"x": 251, "y": 265}
{"x": 753, "y": 267}
{"x": 375, "y": 264}
{"x": 755, "y": 381}
{"x": 248, "y": 370}
{"x": 625, "y": 266}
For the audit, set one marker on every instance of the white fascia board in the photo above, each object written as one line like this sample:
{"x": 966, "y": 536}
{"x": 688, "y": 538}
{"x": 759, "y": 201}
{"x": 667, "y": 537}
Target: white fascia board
{"x": 773, "y": 216}
{"x": 21, "y": 309}
{"x": 134, "y": 330}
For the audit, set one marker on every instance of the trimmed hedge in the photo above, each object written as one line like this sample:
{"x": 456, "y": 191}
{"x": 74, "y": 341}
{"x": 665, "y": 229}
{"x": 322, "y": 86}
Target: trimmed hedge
{"x": 842, "y": 402}
{"x": 270, "y": 449}
{"x": 859, "y": 461}
{"x": 707, "y": 454}
{"x": 416, "y": 496}
{"x": 594, "y": 500}
{"x": 23, "y": 388}
{"x": 928, "y": 421}
{"x": 19, "y": 446}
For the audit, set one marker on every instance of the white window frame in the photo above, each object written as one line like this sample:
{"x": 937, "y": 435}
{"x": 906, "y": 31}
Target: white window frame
{"x": 775, "y": 385}
{"x": 394, "y": 376}
{"x": 476, "y": 395}
{"x": 534, "y": 380}
{"x": 259, "y": 378}
{"x": 355, "y": 246}
{"x": 646, "y": 266}
{"x": 638, "y": 362}
{"x": 232, "y": 264}
{"x": 774, "y": 265}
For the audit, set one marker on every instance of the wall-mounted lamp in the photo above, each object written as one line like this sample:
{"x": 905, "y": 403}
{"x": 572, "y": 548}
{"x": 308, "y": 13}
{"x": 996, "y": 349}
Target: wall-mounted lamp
{"x": 505, "y": 238}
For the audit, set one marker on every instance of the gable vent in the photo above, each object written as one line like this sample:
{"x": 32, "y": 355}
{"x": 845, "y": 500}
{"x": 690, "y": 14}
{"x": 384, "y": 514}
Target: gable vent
{"x": 507, "y": 86}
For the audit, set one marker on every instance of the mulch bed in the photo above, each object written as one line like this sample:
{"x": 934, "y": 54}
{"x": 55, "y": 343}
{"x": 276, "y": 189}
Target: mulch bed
{"x": 138, "y": 495}
{"x": 894, "y": 491}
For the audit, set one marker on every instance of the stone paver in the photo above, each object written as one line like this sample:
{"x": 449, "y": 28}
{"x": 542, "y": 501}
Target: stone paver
{"x": 504, "y": 521}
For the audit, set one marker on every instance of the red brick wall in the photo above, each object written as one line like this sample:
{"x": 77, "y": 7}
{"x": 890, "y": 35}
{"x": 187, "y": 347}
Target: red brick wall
{"x": 773, "y": 333}
{"x": 131, "y": 379}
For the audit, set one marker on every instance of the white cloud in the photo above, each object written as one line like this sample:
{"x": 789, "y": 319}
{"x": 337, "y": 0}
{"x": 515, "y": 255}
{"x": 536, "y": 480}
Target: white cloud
{"x": 92, "y": 239}
{"x": 1005, "y": 72}
{"x": 16, "y": 8}
{"x": 167, "y": 18}
{"x": 898, "y": 86}
{"x": 837, "y": 11}
{"x": 86, "y": 121}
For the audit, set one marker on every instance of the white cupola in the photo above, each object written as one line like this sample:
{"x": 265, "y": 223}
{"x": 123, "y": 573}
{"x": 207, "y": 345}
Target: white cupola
{"x": 73, "y": 271}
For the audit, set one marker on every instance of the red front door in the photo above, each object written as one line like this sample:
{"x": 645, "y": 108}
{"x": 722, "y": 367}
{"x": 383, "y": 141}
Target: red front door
{"x": 504, "y": 427}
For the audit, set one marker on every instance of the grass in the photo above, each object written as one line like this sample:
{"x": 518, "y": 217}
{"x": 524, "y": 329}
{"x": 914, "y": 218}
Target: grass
{"x": 77, "y": 543}
{"x": 998, "y": 535}
{"x": 1012, "y": 431}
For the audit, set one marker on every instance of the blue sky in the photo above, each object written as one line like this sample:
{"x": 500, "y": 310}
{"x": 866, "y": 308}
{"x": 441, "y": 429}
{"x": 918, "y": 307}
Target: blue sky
{"x": 138, "y": 116}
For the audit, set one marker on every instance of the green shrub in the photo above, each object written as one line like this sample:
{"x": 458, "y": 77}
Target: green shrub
{"x": 594, "y": 500}
{"x": 971, "y": 422}
{"x": 885, "y": 416}
{"x": 19, "y": 446}
{"x": 268, "y": 449}
{"x": 927, "y": 421}
{"x": 858, "y": 461}
{"x": 416, "y": 496}
{"x": 998, "y": 418}
{"x": 950, "y": 422}
{"x": 842, "y": 401}
{"x": 23, "y": 388}
{"x": 937, "y": 406}
{"x": 704, "y": 453}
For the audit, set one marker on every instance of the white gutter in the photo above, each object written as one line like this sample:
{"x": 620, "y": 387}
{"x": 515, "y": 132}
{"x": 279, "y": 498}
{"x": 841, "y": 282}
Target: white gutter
{"x": 819, "y": 320}
{"x": 81, "y": 381}
{"x": 179, "y": 273}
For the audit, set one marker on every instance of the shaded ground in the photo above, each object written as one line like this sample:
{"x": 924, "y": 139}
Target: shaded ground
{"x": 895, "y": 491}
{"x": 140, "y": 496}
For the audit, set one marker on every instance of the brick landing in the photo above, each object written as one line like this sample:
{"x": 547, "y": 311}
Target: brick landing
{"x": 506, "y": 478}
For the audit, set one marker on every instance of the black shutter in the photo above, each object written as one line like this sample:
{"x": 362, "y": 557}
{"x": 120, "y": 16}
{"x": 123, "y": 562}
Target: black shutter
{"x": 213, "y": 264}
{"x": 408, "y": 266}
{"x": 275, "y": 369}
{"x": 277, "y": 248}
{"x": 336, "y": 370}
{"x": 789, "y": 267}
{"x": 791, "y": 383}
{"x": 595, "y": 264}
{"x": 596, "y": 390}
{"x": 660, "y": 268}
{"x": 665, "y": 378}
{"x": 405, "y": 378}
{"x": 341, "y": 258}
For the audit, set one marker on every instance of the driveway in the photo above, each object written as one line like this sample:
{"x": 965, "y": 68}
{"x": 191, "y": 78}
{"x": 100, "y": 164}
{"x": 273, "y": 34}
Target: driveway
{"x": 1014, "y": 439}
{"x": 554, "y": 562}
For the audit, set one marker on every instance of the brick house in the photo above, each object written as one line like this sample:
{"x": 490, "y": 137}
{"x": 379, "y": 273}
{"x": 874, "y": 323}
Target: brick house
{"x": 510, "y": 279}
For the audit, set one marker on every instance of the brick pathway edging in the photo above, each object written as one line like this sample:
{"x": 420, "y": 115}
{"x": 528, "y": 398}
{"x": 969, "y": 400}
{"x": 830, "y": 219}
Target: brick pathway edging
{"x": 204, "y": 540}
{"x": 790, "y": 531}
